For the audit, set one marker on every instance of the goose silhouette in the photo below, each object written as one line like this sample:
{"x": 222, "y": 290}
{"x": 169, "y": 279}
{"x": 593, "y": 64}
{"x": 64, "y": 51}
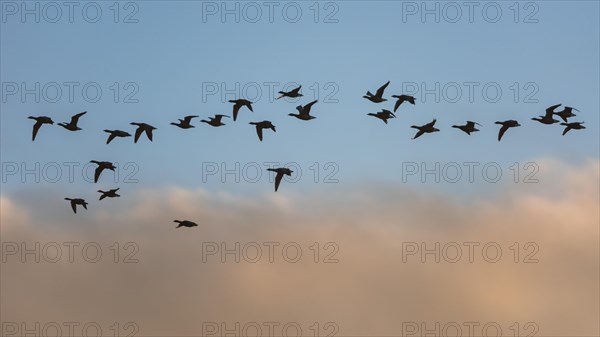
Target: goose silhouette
{"x": 384, "y": 115}
{"x": 402, "y": 99}
{"x": 115, "y": 133}
{"x": 291, "y": 94}
{"x": 75, "y": 202}
{"x": 505, "y": 126}
{"x": 72, "y": 125}
{"x": 304, "y": 111}
{"x": 39, "y": 121}
{"x": 281, "y": 171}
{"x": 141, "y": 128}
{"x": 565, "y": 114}
{"x": 572, "y": 126}
{"x": 102, "y": 165}
{"x": 238, "y": 104}
{"x": 467, "y": 128}
{"x": 109, "y": 194}
{"x": 185, "y": 123}
{"x": 427, "y": 128}
{"x": 547, "y": 117}
{"x": 185, "y": 223}
{"x": 378, "y": 97}
{"x": 214, "y": 121}
{"x": 263, "y": 125}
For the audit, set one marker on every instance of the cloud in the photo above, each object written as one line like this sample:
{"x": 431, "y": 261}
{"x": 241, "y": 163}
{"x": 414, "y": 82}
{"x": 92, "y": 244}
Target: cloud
{"x": 369, "y": 292}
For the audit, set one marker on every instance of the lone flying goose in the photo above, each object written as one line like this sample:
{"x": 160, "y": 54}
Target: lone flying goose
{"x": 185, "y": 223}
{"x": 292, "y": 93}
{"x": 238, "y": 103}
{"x": 378, "y": 97}
{"x": 185, "y": 123}
{"x": 39, "y": 121}
{"x": 116, "y": 133}
{"x": 505, "y": 126}
{"x": 384, "y": 115}
{"x": 215, "y": 121}
{"x": 467, "y": 128}
{"x": 263, "y": 125}
{"x": 75, "y": 202}
{"x": 402, "y": 99}
{"x": 109, "y": 194}
{"x": 72, "y": 125}
{"x": 101, "y": 166}
{"x": 141, "y": 128}
{"x": 304, "y": 111}
{"x": 427, "y": 128}
{"x": 280, "y": 172}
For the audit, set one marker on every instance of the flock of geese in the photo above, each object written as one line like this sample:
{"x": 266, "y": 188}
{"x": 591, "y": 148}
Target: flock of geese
{"x": 304, "y": 115}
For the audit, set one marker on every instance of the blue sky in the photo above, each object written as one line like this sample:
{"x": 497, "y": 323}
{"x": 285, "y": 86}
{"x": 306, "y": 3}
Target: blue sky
{"x": 171, "y": 56}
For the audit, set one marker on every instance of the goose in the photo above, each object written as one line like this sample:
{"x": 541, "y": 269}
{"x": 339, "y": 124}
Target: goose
{"x": 185, "y": 223}
{"x": 547, "y": 117}
{"x": 185, "y": 122}
{"x": 39, "y": 121}
{"x": 141, "y": 128}
{"x": 72, "y": 125}
{"x": 572, "y": 126}
{"x": 402, "y": 99}
{"x": 378, "y": 97}
{"x": 468, "y": 128}
{"x": 109, "y": 194}
{"x": 384, "y": 115}
{"x": 102, "y": 165}
{"x": 238, "y": 103}
{"x": 292, "y": 93}
{"x": 505, "y": 126}
{"x": 566, "y": 113}
{"x": 215, "y": 121}
{"x": 304, "y": 112}
{"x": 75, "y": 202}
{"x": 116, "y": 133}
{"x": 263, "y": 125}
{"x": 427, "y": 128}
{"x": 280, "y": 172}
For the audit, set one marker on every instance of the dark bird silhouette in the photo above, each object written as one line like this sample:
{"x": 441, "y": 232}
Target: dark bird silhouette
{"x": 185, "y": 223}
{"x": 185, "y": 122}
{"x": 304, "y": 112}
{"x": 263, "y": 125}
{"x": 280, "y": 172}
{"x": 75, "y": 202}
{"x": 72, "y": 125}
{"x": 378, "y": 97}
{"x": 402, "y": 99}
{"x": 467, "y": 128}
{"x": 116, "y": 133}
{"x": 384, "y": 115}
{"x": 215, "y": 121}
{"x": 572, "y": 126}
{"x": 141, "y": 128}
{"x": 427, "y": 128}
{"x": 505, "y": 126}
{"x": 547, "y": 117}
{"x": 109, "y": 194}
{"x": 566, "y": 113}
{"x": 39, "y": 121}
{"x": 292, "y": 93}
{"x": 101, "y": 166}
{"x": 237, "y": 104}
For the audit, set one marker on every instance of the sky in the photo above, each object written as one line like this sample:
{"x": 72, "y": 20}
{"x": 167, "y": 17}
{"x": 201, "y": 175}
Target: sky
{"x": 157, "y": 61}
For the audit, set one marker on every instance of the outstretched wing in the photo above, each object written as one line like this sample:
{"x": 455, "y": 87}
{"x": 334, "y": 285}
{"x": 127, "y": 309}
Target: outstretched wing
{"x": 188, "y": 119}
{"x": 74, "y": 206}
{"x": 249, "y": 105}
{"x": 419, "y": 134}
{"x": 36, "y": 128}
{"x": 75, "y": 118}
{"x": 398, "y": 103}
{"x": 278, "y": 178}
{"x": 236, "y": 108}
{"x": 259, "y": 130}
{"x": 566, "y": 129}
{"x": 138, "y": 133}
{"x": 306, "y": 109}
{"x": 380, "y": 91}
{"x": 551, "y": 109}
{"x": 295, "y": 91}
{"x": 502, "y": 131}
{"x": 110, "y": 138}
{"x": 149, "y": 134}
{"x": 430, "y": 124}
{"x": 97, "y": 173}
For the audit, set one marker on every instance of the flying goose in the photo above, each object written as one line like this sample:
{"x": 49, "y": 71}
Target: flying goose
{"x": 304, "y": 111}
{"x": 505, "y": 126}
{"x": 215, "y": 121}
{"x": 72, "y": 125}
{"x": 468, "y": 128}
{"x": 185, "y": 123}
{"x": 109, "y": 194}
{"x": 378, "y": 97}
{"x": 292, "y": 93}
{"x": 101, "y": 166}
{"x": 263, "y": 125}
{"x": 384, "y": 115}
{"x": 75, "y": 202}
{"x": 402, "y": 99}
{"x": 116, "y": 133}
{"x": 185, "y": 223}
{"x": 547, "y": 117}
{"x": 39, "y": 121}
{"x": 280, "y": 172}
{"x": 238, "y": 103}
{"x": 566, "y": 113}
{"x": 427, "y": 128}
{"x": 141, "y": 128}
{"x": 572, "y": 126}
